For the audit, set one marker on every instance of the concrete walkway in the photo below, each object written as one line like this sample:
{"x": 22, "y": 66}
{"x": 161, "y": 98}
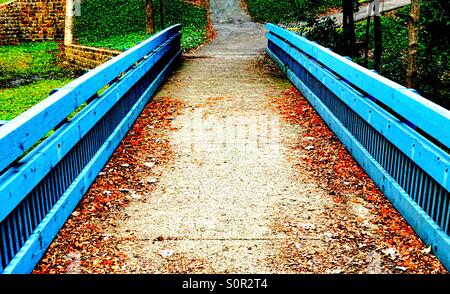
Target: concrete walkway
{"x": 221, "y": 206}
{"x": 215, "y": 206}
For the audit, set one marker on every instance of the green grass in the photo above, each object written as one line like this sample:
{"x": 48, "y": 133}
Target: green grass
{"x": 193, "y": 37}
{"x": 31, "y": 59}
{"x": 4, "y": 1}
{"x": 122, "y": 23}
{"x": 28, "y": 72}
{"x": 28, "y": 61}
{"x": 14, "y": 101}
{"x": 118, "y": 42}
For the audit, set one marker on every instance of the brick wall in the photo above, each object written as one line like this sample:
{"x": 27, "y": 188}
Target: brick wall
{"x": 87, "y": 57}
{"x": 32, "y": 20}
{"x": 9, "y": 23}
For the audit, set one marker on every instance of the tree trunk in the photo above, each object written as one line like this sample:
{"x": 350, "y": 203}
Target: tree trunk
{"x": 370, "y": 12}
{"x": 378, "y": 38}
{"x": 351, "y": 29}
{"x": 161, "y": 13}
{"x": 413, "y": 35}
{"x": 367, "y": 43}
{"x": 345, "y": 25}
{"x": 348, "y": 25}
{"x": 150, "y": 18}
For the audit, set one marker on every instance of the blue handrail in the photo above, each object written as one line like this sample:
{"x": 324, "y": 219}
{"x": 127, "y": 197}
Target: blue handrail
{"x": 400, "y": 138}
{"x": 42, "y": 180}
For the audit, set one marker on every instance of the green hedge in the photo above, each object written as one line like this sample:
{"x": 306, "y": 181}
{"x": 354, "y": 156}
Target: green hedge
{"x": 279, "y": 11}
{"x": 120, "y": 24}
{"x": 271, "y": 11}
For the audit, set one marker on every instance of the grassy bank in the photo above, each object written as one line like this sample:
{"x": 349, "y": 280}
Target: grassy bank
{"x": 14, "y": 101}
{"x": 121, "y": 23}
{"x": 28, "y": 72}
{"x": 31, "y": 61}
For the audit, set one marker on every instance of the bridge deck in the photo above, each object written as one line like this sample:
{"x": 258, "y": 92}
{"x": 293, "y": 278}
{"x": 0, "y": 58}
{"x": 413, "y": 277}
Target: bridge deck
{"x": 228, "y": 189}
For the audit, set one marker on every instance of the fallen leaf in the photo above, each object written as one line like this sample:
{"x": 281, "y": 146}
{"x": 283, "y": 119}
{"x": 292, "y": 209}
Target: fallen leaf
{"x": 166, "y": 253}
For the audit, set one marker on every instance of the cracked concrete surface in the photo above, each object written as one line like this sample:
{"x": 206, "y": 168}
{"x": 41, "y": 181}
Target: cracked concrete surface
{"x": 217, "y": 208}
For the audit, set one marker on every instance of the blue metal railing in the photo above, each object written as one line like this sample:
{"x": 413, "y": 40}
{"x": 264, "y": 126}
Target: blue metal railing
{"x": 48, "y": 159}
{"x": 400, "y": 138}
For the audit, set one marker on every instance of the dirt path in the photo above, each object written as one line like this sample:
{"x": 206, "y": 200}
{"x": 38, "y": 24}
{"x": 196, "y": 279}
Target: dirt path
{"x": 229, "y": 170}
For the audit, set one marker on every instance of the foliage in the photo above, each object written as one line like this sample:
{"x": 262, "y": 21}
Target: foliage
{"x": 323, "y": 31}
{"x": 121, "y": 23}
{"x": 193, "y": 37}
{"x": 14, "y": 101}
{"x": 280, "y": 11}
{"x": 193, "y": 18}
{"x": 434, "y": 51}
{"x": 395, "y": 44}
{"x": 433, "y": 59}
{"x": 101, "y": 19}
{"x": 28, "y": 61}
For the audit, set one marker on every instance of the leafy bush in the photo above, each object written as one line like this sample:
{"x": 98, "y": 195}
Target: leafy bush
{"x": 434, "y": 51}
{"x": 433, "y": 58}
{"x": 395, "y": 44}
{"x": 120, "y": 24}
{"x": 282, "y": 11}
{"x": 193, "y": 18}
{"x": 271, "y": 11}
